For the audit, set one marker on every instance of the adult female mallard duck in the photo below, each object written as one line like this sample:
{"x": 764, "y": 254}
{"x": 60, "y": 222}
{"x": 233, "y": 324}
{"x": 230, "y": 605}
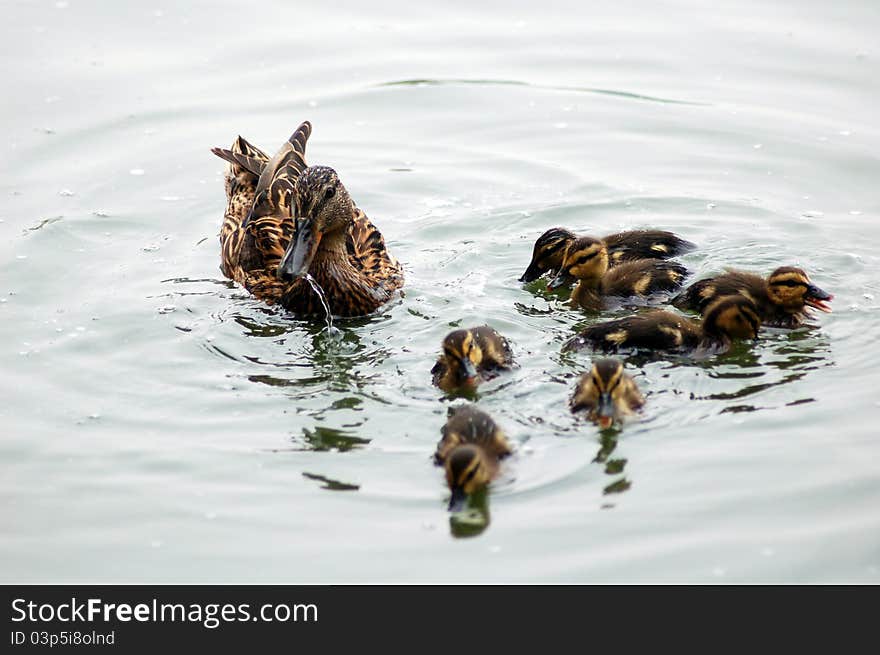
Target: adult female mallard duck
{"x": 469, "y": 357}
{"x": 782, "y": 298}
{"x": 607, "y": 393}
{"x": 301, "y": 222}
{"x": 586, "y": 260}
{"x": 726, "y": 319}
{"x": 622, "y": 247}
{"x": 470, "y": 450}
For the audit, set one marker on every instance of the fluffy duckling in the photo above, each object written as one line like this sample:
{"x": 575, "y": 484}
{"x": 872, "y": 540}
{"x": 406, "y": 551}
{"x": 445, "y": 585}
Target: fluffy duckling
{"x": 622, "y": 247}
{"x": 469, "y": 357}
{"x": 728, "y": 318}
{"x": 607, "y": 393}
{"x": 470, "y": 449}
{"x": 781, "y": 299}
{"x": 586, "y": 259}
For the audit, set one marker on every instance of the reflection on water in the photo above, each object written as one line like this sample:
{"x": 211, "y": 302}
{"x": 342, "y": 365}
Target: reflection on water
{"x": 791, "y": 357}
{"x": 330, "y": 484}
{"x": 473, "y": 519}
{"x": 321, "y": 438}
{"x": 608, "y": 439}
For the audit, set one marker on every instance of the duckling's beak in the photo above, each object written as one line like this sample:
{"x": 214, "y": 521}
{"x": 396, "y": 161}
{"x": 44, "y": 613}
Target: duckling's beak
{"x": 560, "y": 280}
{"x": 300, "y": 252}
{"x": 468, "y": 368}
{"x": 605, "y": 411}
{"x": 815, "y": 297}
{"x": 532, "y": 273}
{"x": 458, "y": 500}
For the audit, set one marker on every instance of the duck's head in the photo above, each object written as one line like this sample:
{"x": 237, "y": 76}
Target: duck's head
{"x": 585, "y": 259}
{"x": 605, "y": 392}
{"x": 731, "y": 317}
{"x": 466, "y": 471}
{"x": 322, "y": 210}
{"x": 791, "y": 289}
{"x": 463, "y": 356}
{"x": 548, "y": 253}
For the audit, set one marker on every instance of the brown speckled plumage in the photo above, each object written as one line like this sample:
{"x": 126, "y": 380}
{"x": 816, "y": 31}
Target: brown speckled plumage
{"x": 268, "y": 200}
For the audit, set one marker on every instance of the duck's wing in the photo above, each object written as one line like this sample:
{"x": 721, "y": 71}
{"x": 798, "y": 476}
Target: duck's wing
{"x": 658, "y": 330}
{"x": 240, "y": 181}
{"x": 366, "y": 246}
{"x": 496, "y": 349}
{"x": 274, "y": 192}
{"x": 645, "y": 244}
{"x": 643, "y": 277}
{"x": 269, "y": 224}
{"x": 702, "y": 293}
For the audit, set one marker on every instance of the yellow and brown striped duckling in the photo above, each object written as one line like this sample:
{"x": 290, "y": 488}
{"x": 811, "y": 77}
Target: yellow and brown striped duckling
{"x": 782, "y": 298}
{"x": 607, "y": 393}
{"x": 469, "y": 450}
{"x": 728, "y": 318}
{"x": 622, "y": 247}
{"x": 586, "y": 260}
{"x": 469, "y": 357}
{"x": 302, "y": 222}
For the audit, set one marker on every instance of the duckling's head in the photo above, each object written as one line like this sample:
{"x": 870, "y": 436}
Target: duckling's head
{"x": 731, "y": 317}
{"x": 466, "y": 471}
{"x": 548, "y": 253}
{"x": 322, "y": 210}
{"x": 463, "y": 356}
{"x": 791, "y": 289}
{"x": 605, "y": 392}
{"x": 585, "y": 259}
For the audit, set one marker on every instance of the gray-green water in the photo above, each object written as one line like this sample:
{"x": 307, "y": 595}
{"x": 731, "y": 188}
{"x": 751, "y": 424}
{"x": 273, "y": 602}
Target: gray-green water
{"x": 161, "y": 425}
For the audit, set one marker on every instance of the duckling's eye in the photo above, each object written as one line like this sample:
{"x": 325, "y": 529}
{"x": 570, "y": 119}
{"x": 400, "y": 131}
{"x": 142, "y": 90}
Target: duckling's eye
{"x": 329, "y": 193}
{"x": 790, "y": 283}
{"x": 585, "y": 258}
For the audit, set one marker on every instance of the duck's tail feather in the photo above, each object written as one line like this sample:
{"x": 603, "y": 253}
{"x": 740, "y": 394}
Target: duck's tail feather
{"x": 244, "y": 155}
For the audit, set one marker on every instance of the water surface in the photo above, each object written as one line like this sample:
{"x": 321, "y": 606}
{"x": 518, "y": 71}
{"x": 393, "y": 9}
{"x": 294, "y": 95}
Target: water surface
{"x": 162, "y": 425}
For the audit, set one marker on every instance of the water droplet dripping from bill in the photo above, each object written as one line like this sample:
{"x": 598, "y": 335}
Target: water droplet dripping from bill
{"x": 320, "y": 293}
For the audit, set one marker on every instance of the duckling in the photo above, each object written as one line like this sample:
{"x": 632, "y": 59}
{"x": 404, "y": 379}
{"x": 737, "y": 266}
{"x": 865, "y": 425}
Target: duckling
{"x": 302, "y": 222}
{"x": 782, "y": 298}
{"x": 469, "y": 357}
{"x": 607, "y": 393}
{"x": 586, "y": 259}
{"x": 470, "y": 449}
{"x": 727, "y": 318}
{"x": 622, "y": 247}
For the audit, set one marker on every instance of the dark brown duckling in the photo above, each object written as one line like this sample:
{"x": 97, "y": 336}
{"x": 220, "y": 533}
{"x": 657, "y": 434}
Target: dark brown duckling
{"x": 728, "y": 318}
{"x": 781, "y": 299}
{"x": 586, "y": 260}
{"x": 622, "y": 247}
{"x": 607, "y": 393}
{"x": 469, "y": 357}
{"x": 470, "y": 449}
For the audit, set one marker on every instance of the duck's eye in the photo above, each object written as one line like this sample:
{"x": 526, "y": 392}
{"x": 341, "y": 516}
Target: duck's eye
{"x": 329, "y": 193}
